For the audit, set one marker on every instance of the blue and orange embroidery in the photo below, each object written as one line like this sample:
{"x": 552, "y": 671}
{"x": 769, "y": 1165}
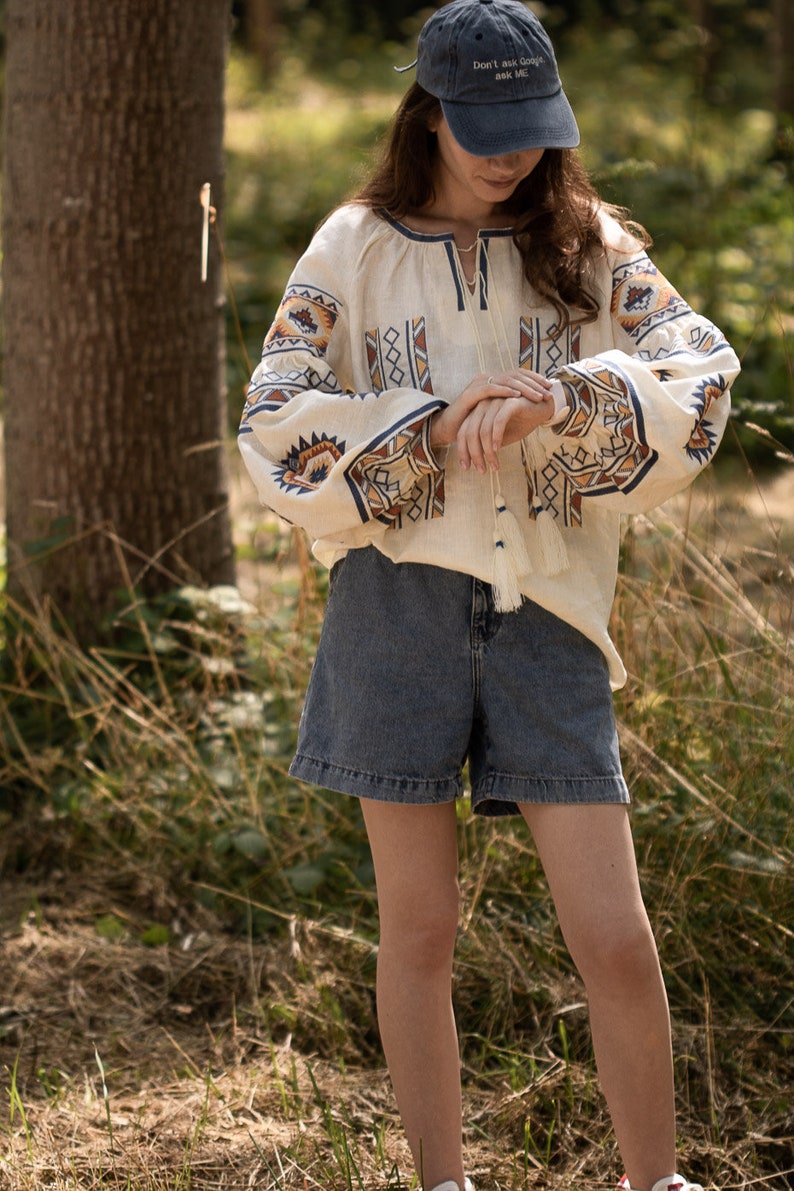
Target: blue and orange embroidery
{"x": 303, "y": 324}
{"x": 398, "y": 464}
{"x": 309, "y": 463}
{"x": 574, "y": 471}
{"x": 703, "y": 439}
{"x": 305, "y": 318}
{"x": 544, "y": 348}
{"x": 397, "y": 358}
{"x": 642, "y": 299}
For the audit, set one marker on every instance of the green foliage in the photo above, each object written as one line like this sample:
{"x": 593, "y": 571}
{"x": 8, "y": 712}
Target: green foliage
{"x": 167, "y": 745}
{"x": 720, "y": 209}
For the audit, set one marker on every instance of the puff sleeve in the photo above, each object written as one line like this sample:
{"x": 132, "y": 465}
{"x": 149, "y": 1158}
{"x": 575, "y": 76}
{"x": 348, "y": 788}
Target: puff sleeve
{"x": 338, "y": 462}
{"x": 646, "y": 415}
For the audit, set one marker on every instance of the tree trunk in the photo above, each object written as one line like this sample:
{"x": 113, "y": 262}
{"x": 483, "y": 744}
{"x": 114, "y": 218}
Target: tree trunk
{"x": 705, "y": 19}
{"x": 115, "y": 463}
{"x": 262, "y": 31}
{"x": 783, "y": 59}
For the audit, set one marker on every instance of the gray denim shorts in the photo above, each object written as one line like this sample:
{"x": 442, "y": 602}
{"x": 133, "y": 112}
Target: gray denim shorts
{"x": 416, "y": 674}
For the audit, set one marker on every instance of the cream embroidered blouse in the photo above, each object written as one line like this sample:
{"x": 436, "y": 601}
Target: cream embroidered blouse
{"x": 377, "y": 330}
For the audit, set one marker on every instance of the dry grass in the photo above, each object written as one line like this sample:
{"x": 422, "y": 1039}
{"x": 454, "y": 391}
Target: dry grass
{"x": 155, "y": 1034}
{"x": 206, "y": 1090}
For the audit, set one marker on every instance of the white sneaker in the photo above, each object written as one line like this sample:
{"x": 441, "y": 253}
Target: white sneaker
{"x": 451, "y": 1185}
{"x": 673, "y": 1182}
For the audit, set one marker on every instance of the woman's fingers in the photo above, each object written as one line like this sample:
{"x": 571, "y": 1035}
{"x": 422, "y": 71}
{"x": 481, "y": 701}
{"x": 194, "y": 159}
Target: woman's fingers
{"x": 479, "y": 439}
{"x": 500, "y": 386}
{"x": 524, "y": 383}
{"x": 446, "y": 424}
{"x": 470, "y": 452}
{"x": 497, "y": 423}
{"x": 479, "y": 394}
{"x": 492, "y": 428}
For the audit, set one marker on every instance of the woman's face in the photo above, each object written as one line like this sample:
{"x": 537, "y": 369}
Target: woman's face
{"x": 485, "y": 181}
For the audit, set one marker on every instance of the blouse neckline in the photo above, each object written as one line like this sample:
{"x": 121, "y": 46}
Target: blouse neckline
{"x": 441, "y": 237}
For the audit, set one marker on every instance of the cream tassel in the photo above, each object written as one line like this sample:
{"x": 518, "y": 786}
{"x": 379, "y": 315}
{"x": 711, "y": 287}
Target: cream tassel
{"x": 510, "y": 532}
{"x": 553, "y": 552}
{"x": 510, "y": 559}
{"x": 506, "y": 588}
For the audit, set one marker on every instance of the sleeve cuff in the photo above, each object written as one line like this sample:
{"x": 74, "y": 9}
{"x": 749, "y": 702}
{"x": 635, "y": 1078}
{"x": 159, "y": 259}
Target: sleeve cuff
{"x": 561, "y": 405}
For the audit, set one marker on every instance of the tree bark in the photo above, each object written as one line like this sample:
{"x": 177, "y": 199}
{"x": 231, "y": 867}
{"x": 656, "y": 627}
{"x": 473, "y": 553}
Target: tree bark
{"x": 783, "y": 59}
{"x": 115, "y": 462}
{"x": 705, "y": 19}
{"x": 262, "y": 31}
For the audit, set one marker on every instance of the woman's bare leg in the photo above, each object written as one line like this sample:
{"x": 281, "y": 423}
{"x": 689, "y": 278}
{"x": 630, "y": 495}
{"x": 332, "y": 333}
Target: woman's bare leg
{"x": 415, "y": 853}
{"x": 588, "y": 857}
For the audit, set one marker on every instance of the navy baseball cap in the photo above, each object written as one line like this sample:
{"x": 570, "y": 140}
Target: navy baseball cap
{"x": 492, "y": 66}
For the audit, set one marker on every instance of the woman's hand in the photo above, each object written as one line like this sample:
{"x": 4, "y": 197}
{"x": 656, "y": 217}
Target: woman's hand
{"x": 492, "y": 412}
{"x": 498, "y": 423}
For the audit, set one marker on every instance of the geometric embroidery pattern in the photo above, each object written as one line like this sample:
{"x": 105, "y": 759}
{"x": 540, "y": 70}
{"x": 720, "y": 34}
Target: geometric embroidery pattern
{"x": 398, "y": 357}
{"x": 425, "y": 501}
{"x": 383, "y": 475}
{"x": 305, "y": 319}
{"x": 374, "y": 360}
{"x": 701, "y": 340}
{"x": 574, "y": 471}
{"x": 703, "y": 440}
{"x": 309, "y": 463}
{"x": 642, "y": 299}
{"x": 706, "y": 340}
{"x": 543, "y": 348}
{"x": 544, "y": 351}
{"x": 269, "y": 389}
{"x": 303, "y": 324}
{"x": 418, "y": 355}
{"x": 395, "y": 375}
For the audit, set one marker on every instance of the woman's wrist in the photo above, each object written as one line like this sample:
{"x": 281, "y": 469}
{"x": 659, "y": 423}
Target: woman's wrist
{"x": 560, "y": 399}
{"x": 435, "y": 435}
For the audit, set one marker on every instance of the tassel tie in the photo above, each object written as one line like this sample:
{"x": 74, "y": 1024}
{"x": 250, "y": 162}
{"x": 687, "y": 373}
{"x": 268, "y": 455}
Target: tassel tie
{"x": 553, "y": 552}
{"x": 510, "y": 560}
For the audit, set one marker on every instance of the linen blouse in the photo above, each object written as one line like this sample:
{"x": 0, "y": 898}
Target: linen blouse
{"x": 377, "y": 330}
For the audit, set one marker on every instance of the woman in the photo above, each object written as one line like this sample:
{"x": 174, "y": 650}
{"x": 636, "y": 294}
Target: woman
{"x": 474, "y": 371}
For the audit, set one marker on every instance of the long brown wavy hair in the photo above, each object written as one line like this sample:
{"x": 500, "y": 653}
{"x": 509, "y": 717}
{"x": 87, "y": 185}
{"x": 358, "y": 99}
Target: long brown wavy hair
{"x": 556, "y": 207}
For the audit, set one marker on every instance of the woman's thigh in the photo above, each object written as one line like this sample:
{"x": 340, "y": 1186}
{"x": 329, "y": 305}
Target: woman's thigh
{"x": 415, "y": 854}
{"x": 587, "y": 853}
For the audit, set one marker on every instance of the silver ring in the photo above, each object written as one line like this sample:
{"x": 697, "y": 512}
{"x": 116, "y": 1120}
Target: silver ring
{"x": 491, "y": 380}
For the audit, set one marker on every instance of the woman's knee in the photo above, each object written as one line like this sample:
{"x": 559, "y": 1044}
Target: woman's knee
{"x": 619, "y": 952}
{"x": 420, "y": 931}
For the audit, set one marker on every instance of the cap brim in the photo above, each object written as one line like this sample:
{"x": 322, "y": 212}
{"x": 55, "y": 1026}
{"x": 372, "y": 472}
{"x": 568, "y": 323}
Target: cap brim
{"x": 493, "y": 129}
